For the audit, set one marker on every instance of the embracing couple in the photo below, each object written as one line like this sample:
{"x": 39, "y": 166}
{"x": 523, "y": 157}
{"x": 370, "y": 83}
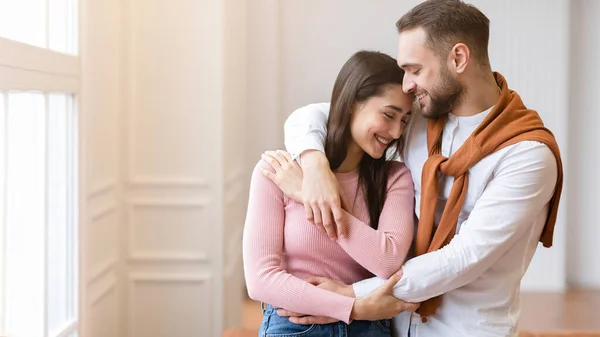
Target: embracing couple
{"x": 413, "y": 202}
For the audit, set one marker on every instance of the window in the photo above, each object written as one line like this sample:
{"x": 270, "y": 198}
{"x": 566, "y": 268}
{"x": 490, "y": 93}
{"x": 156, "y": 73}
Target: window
{"x": 50, "y": 24}
{"x": 39, "y": 168}
{"x": 39, "y": 214}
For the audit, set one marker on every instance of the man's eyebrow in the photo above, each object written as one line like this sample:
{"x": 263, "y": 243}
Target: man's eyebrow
{"x": 409, "y": 65}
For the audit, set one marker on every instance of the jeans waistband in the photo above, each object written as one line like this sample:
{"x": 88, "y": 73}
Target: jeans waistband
{"x": 265, "y": 306}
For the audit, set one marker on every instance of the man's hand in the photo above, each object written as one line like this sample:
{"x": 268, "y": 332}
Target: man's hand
{"x": 321, "y": 194}
{"x": 288, "y": 174}
{"x": 381, "y": 304}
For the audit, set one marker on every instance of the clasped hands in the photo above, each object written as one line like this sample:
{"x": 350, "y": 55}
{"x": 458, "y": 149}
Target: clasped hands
{"x": 380, "y": 304}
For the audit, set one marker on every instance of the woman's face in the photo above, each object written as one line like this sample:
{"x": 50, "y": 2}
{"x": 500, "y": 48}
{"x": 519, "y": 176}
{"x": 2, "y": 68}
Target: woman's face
{"x": 379, "y": 120}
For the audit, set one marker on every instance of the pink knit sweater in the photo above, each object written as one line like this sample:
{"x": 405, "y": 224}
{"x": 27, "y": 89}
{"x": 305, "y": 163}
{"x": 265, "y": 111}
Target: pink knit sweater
{"x": 281, "y": 248}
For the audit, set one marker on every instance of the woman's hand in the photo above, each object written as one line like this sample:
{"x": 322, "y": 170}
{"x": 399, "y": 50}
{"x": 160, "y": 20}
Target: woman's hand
{"x": 318, "y": 189}
{"x": 321, "y": 194}
{"x": 324, "y": 283}
{"x": 288, "y": 174}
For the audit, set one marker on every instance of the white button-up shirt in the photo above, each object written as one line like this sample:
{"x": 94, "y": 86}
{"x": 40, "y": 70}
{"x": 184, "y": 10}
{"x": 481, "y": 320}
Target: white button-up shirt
{"x": 479, "y": 272}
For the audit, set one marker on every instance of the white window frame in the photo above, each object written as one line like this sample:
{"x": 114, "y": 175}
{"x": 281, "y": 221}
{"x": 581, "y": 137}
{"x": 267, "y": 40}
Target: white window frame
{"x": 25, "y": 67}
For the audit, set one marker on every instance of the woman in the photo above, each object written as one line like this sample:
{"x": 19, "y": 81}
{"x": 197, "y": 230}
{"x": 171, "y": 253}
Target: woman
{"x": 282, "y": 249}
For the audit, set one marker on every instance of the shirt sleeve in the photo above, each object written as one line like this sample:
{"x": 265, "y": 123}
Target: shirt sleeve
{"x": 266, "y": 280}
{"x": 522, "y": 186}
{"x": 306, "y": 129}
{"x": 382, "y": 251}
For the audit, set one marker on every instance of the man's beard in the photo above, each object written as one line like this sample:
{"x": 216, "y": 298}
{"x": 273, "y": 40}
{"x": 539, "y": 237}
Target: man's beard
{"x": 444, "y": 97}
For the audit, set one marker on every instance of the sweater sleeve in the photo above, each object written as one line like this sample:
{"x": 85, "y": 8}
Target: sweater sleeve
{"x": 266, "y": 280}
{"x": 382, "y": 251}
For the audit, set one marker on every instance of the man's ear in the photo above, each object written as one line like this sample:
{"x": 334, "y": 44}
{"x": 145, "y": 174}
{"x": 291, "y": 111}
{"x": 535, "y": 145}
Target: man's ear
{"x": 459, "y": 57}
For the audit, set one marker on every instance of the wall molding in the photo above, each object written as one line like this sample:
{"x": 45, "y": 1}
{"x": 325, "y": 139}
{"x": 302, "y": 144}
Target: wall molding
{"x": 168, "y": 257}
{"x": 102, "y": 269}
{"x": 68, "y": 330}
{"x": 104, "y": 211}
{"x": 169, "y": 202}
{"x": 169, "y": 277}
{"x": 158, "y": 256}
{"x": 108, "y": 288}
{"x": 167, "y": 181}
{"x": 101, "y": 188}
{"x": 160, "y": 278}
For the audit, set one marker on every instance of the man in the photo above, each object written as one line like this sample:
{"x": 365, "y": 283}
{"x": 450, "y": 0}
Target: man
{"x": 487, "y": 179}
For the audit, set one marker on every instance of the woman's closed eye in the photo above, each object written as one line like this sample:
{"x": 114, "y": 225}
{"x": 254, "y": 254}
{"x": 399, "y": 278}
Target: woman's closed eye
{"x": 388, "y": 116}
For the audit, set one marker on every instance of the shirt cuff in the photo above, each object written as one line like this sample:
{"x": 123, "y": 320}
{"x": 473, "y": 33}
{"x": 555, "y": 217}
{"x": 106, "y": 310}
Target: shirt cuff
{"x": 363, "y": 288}
{"x": 310, "y": 141}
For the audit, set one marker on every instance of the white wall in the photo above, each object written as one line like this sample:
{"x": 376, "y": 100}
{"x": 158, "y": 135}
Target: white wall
{"x": 185, "y": 98}
{"x": 163, "y": 105}
{"x": 102, "y": 310}
{"x": 264, "y": 76}
{"x": 583, "y": 115}
{"x": 529, "y": 44}
{"x": 171, "y": 88}
{"x": 530, "y": 41}
{"x": 233, "y": 164}
{"x": 319, "y": 36}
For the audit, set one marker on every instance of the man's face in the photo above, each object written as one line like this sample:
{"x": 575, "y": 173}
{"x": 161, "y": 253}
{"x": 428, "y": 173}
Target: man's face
{"x": 436, "y": 90}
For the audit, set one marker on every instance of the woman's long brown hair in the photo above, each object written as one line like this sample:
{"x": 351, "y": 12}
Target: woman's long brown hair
{"x": 366, "y": 74}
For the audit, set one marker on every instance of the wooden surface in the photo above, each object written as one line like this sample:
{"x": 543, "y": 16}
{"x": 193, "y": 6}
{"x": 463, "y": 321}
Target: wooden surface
{"x": 575, "y": 313}
{"x": 573, "y": 310}
{"x": 252, "y": 316}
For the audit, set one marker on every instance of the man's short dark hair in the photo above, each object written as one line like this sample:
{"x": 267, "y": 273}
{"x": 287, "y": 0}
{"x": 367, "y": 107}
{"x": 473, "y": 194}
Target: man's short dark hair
{"x": 448, "y": 22}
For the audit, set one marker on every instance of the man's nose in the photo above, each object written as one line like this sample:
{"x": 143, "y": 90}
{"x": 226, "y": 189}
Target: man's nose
{"x": 408, "y": 85}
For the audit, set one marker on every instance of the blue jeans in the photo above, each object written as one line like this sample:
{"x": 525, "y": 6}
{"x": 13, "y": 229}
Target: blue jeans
{"x": 275, "y": 326}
